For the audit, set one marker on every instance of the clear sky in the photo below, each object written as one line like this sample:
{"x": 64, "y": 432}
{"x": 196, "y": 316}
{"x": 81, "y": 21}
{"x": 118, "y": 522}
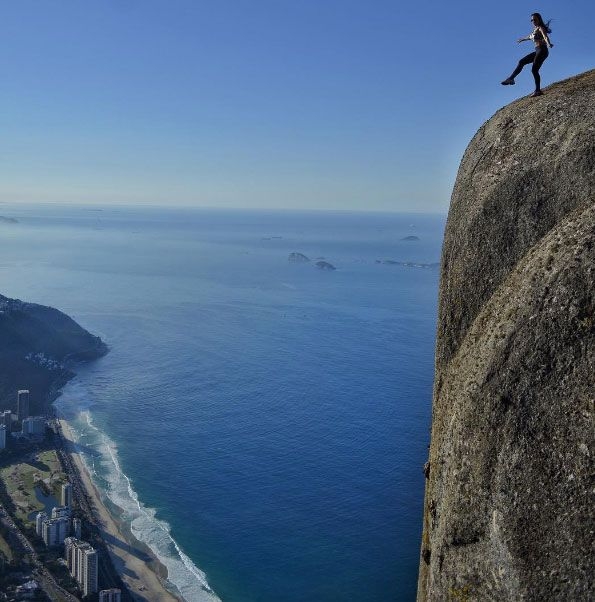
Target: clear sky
{"x": 334, "y": 104}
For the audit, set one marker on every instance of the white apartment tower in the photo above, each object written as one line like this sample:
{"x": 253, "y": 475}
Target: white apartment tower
{"x": 6, "y": 419}
{"x": 61, "y": 512}
{"x": 39, "y": 520}
{"x": 54, "y": 531}
{"x": 66, "y": 497}
{"x": 23, "y": 404}
{"x": 2, "y": 436}
{"x": 33, "y": 425}
{"x": 82, "y": 561}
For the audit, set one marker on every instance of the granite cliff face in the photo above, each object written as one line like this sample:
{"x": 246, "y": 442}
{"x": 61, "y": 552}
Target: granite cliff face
{"x": 37, "y": 346}
{"x": 509, "y": 507}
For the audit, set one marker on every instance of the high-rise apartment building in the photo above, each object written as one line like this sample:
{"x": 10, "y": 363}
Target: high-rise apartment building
{"x": 66, "y": 495}
{"x": 39, "y": 519}
{"x": 33, "y": 425}
{"x": 110, "y": 595}
{"x": 76, "y": 527}
{"x": 2, "y": 436}
{"x": 61, "y": 512}
{"x": 6, "y": 419}
{"x": 54, "y": 531}
{"x": 82, "y": 560}
{"x": 23, "y": 404}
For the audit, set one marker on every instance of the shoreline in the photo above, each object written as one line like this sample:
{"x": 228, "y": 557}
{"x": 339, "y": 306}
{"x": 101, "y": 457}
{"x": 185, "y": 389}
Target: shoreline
{"x": 141, "y": 571}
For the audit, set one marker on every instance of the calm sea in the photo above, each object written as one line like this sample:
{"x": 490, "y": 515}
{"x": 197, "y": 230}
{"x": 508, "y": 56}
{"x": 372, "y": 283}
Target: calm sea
{"x": 262, "y": 423}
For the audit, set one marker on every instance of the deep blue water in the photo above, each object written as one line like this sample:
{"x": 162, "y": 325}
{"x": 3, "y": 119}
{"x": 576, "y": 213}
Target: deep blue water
{"x": 263, "y": 424}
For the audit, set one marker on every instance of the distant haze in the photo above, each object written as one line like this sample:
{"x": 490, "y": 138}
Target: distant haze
{"x": 271, "y": 104}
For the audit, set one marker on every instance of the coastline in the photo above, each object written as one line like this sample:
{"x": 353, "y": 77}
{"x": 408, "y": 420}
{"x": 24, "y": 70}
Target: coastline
{"x": 135, "y": 563}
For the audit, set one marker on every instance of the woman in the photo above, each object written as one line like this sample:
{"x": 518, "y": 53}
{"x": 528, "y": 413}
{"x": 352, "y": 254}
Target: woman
{"x": 541, "y": 41}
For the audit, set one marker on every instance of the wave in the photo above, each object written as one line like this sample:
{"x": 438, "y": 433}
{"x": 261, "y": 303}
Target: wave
{"x": 106, "y": 472}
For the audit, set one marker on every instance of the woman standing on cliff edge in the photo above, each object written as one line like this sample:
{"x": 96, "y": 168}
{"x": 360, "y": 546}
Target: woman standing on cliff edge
{"x": 539, "y": 35}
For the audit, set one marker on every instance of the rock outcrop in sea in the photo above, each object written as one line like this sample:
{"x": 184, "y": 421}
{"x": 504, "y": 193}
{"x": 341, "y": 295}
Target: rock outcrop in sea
{"x": 298, "y": 258}
{"x": 38, "y": 346}
{"x": 509, "y": 507}
{"x": 325, "y": 265}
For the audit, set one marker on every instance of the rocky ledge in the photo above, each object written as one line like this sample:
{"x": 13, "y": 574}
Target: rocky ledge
{"x": 509, "y": 508}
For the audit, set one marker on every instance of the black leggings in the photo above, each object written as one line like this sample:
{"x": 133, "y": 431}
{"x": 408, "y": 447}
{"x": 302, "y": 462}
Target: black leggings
{"x": 541, "y": 53}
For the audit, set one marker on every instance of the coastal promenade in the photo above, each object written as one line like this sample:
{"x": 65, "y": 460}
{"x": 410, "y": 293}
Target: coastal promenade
{"x": 131, "y": 568}
{"x": 107, "y": 575}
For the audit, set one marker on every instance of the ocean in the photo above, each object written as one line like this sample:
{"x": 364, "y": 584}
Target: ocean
{"x": 262, "y": 424}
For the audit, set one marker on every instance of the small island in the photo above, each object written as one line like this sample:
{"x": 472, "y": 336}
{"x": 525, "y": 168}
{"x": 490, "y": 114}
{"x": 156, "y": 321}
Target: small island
{"x": 410, "y": 238}
{"x": 298, "y": 258}
{"x": 8, "y": 220}
{"x": 325, "y": 265}
{"x": 408, "y": 264}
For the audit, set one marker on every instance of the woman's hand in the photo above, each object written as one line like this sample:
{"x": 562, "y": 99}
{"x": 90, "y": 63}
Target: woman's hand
{"x": 521, "y": 40}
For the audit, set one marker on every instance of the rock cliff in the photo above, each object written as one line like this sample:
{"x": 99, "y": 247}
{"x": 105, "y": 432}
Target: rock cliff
{"x": 37, "y": 346}
{"x": 509, "y": 506}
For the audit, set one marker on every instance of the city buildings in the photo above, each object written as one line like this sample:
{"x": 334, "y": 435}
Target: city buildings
{"x": 82, "y": 561}
{"x": 33, "y": 425}
{"x": 22, "y": 404}
{"x": 54, "y": 531}
{"x": 110, "y": 595}
{"x": 2, "y": 436}
{"x": 41, "y": 516}
{"x": 61, "y": 512}
{"x": 6, "y": 419}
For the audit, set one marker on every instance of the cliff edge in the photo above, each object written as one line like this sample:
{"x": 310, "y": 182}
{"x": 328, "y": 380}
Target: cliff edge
{"x": 509, "y": 507}
{"x": 38, "y": 344}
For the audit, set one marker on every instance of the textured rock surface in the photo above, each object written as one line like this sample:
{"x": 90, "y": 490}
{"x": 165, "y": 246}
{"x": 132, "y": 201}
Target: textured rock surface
{"x": 509, "y": 508}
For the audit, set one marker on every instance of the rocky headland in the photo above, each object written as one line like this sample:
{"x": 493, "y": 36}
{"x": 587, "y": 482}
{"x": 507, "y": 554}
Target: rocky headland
{"x": 509, "y": 507}
{"x": 38, "y": 347}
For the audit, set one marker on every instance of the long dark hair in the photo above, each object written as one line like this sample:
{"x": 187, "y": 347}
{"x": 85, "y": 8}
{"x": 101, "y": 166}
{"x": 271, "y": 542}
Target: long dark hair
{"x": 540, "y": 22}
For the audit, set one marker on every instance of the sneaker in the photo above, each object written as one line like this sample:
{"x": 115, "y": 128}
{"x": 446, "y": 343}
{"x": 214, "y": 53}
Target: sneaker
{"x": 508, "y": 82}
{"x": 536, "y": 93}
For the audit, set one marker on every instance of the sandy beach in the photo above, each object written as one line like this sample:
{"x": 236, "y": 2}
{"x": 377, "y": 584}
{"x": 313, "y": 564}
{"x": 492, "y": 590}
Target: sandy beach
{"x": 134, "y": 561}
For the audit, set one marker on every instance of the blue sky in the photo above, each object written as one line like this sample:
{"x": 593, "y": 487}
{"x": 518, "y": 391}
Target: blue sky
{"x": 331, "y": 104}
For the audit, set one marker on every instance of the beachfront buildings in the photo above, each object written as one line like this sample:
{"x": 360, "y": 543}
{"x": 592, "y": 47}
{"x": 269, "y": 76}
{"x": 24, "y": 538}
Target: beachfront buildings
{"x": 54, "y": 531}
{"x": 41, "y": 516}
{"x": 66, "y": 495}
{"x": 61, "y": 512}
{"x": 82, "y": 562}
{"x": 22, "y": 404}
{"x": 6, "y": 419}
{"x": 110, "y": 595}
{"x": 34, "y": 425}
